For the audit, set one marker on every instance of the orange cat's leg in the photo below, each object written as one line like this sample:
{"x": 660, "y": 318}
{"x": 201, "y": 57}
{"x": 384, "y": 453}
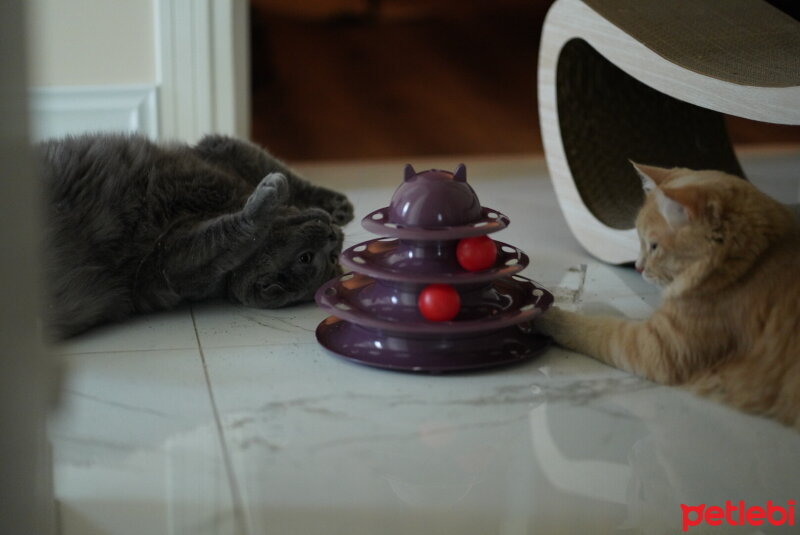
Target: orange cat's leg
{"x": 647, "y": 348}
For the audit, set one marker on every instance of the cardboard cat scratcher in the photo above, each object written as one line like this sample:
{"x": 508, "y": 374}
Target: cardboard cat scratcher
{"x": 649, "y": 81}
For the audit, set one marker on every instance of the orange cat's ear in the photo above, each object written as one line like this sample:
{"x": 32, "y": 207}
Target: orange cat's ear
{"x": 651, "y": 176}
{"x": 671, "y": 210}
{"x": 692, "y": 201}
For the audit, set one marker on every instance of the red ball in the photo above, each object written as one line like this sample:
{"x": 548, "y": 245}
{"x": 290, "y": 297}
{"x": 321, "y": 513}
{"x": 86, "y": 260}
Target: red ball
{"x": 476, "y": 254}
{"x": 439, "y": 302}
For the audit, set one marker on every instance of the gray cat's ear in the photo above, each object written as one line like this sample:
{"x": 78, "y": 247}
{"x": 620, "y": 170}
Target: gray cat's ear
{"x": 650, "y": 175}
{"x": 408, "y": 173}
{"x": 461, "y": 173}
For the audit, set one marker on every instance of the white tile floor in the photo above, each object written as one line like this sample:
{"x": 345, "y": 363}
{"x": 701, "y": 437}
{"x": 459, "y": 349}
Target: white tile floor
{"x": 215, "y": 419}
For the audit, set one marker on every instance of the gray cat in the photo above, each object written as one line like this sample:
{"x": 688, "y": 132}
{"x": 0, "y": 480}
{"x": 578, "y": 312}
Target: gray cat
{"x": 134, "y": 227}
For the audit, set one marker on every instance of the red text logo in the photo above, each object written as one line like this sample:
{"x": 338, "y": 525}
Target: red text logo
{"x": 738, "y": 514}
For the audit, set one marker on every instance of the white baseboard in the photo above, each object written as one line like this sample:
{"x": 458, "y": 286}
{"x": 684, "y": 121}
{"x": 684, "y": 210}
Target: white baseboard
{"x": 57, "y": 111}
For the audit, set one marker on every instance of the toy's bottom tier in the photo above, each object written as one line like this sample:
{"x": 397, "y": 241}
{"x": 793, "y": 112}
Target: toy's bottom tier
{"x": 428, "y": 353}
{"x": 392, "y": 307}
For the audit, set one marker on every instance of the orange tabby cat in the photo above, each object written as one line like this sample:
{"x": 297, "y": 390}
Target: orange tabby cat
{"x": 728, "y": 260}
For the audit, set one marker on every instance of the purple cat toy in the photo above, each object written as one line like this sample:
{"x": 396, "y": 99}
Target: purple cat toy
{"x": 377, "y": 318}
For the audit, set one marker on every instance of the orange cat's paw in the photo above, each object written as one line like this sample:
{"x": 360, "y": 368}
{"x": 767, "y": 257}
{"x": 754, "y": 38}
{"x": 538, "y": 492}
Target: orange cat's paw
{"x": 554, "y": 323}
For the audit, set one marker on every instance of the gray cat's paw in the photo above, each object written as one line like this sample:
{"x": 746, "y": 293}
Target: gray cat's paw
{"x": 340, "y": 208}
{"x": 298, "y": 217}
{"x": 269, "y": 195}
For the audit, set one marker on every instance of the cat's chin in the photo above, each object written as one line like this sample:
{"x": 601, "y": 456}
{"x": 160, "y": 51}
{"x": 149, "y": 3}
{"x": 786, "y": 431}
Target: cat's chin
{"x": 273, "y": 296}
{"x": 276, "y": 296}
{"x": 655, "y": 282}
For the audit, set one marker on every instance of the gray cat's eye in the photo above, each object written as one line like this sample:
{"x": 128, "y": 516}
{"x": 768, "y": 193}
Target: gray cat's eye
{"x": 305, "y": 258}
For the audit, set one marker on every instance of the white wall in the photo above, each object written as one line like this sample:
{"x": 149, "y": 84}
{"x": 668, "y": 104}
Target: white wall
{"x": 92, "y": 66}
{"x": 91, "y": 42}
{"x": 172, "y": 69}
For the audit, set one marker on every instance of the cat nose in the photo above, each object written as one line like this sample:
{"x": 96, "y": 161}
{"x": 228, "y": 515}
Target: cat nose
{"x": 639, "y": 268}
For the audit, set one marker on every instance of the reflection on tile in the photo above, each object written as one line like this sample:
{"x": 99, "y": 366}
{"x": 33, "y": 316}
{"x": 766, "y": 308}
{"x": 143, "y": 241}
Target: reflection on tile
{"x": 641, "y": 452}
{"x": 179, "y": 486}
{"x": 315, "y": 440}
{"x": 136, "y": 448}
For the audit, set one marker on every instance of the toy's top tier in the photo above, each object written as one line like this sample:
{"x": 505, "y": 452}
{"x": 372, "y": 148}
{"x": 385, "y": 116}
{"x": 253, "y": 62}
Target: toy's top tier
{"x": 434, "y": 205}
{"x": 434, "y": 199}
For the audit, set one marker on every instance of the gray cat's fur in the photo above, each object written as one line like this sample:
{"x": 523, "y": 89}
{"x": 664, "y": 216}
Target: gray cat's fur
{"x": 134, "y": 227}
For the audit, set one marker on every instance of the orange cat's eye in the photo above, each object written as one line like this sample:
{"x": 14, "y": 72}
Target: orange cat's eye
{"x": 653, "y": 247}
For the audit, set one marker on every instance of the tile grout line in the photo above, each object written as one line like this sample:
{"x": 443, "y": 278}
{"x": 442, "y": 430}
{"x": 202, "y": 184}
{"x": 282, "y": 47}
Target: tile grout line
{"x": 238, "y": 503}
{"x": 121, "y": 351}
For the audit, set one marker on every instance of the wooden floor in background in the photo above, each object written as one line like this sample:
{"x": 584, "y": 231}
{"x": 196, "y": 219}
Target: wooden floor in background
{"x": 357, "y": 89}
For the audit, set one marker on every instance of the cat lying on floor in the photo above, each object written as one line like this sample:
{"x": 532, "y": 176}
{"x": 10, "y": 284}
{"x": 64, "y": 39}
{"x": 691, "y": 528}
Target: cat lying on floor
{"x": 133, "y": 227}
{"x": 728, "y": 260}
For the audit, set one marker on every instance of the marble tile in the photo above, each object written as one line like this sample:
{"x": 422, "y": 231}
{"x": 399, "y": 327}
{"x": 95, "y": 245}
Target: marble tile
{"x": 158, "y": 331}
{"x": 560, "y": 444}
{"x": 228, "y": 325}
{"x": 320, "y": 445}
{"x": 627, "y": 454}
{"x": 136, "y": 447}
{"x": 258, "y": 430}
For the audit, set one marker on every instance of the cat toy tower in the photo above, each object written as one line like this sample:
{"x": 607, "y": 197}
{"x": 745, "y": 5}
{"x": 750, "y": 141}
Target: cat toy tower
{"x": 435, "y": 293}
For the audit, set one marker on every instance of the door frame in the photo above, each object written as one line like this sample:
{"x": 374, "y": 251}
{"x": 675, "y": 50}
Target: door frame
{"x": 202, "y": 64}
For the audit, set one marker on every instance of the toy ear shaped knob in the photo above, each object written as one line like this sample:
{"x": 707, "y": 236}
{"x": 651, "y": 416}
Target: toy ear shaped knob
{"x": 461, "y": 173}
{"x": 408, "y": 173}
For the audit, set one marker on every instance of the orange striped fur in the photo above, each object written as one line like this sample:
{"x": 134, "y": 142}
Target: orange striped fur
{"x": 727, "y": 258}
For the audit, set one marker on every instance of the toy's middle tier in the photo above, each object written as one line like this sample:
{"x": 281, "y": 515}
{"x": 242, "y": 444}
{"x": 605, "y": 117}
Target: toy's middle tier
{"x": 427, "y": 261}
{"x": 392, "y": 306}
